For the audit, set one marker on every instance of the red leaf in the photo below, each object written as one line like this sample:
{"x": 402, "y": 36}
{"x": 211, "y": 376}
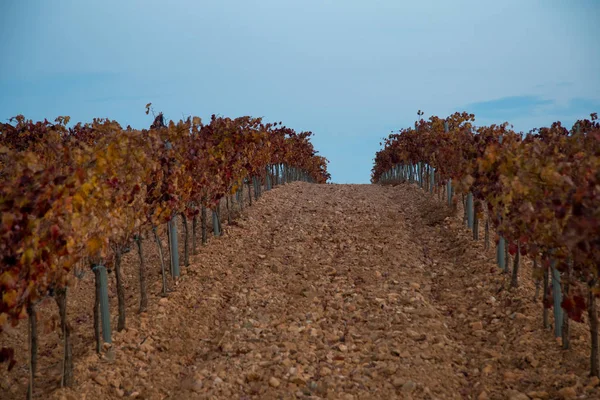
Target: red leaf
{"x": 512, "y": 249}
{"x": 523, "y": 250}
{"x": 7, "y": 354}
{"x": 573, "y": 308}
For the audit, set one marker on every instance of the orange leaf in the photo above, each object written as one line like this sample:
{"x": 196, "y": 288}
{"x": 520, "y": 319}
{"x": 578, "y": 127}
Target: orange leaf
{"x": 10, "y": 298}
{"x": 9, "y": 279}
{"x": 93, "y": 245}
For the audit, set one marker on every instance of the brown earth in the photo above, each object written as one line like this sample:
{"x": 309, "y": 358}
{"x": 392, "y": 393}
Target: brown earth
{"x": 320, "y": 291}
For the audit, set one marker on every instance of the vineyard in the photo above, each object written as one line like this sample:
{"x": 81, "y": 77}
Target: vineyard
{"x": 194, "y": 260}
{"x": 77, "y": 199}
{"x": 539, "y": 193}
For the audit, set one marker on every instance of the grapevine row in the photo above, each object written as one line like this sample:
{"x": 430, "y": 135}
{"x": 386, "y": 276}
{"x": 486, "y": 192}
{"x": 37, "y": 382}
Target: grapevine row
{"x": 85, "y": 194}
{"x": 539, "y": 191}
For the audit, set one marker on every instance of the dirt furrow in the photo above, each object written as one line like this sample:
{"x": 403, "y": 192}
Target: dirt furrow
{"x": 509, "y": 353}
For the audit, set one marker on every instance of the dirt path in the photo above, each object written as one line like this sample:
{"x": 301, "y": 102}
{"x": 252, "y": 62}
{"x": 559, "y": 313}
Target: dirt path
{"x": 331, "y": 302}
{"x": 341, "y": 292}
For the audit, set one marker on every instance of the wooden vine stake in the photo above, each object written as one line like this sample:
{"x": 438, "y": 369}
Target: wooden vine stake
{"x": 67, "y": 361}
{"x": 33, "y": 347}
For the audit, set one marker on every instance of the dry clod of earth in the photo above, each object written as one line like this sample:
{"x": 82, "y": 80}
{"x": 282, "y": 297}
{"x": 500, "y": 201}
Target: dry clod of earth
{"x": 322, "y": 292}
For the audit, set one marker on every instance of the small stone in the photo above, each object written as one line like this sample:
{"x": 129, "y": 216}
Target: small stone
{"x": 520, "y": 317}
{"x": 134, "y": 395}
{"x": 262, "y": 256}
{"x": 568, "y": 393}
{"x": 252, "y": 376}
{"x": 510, "y": 376}
{"x": 100, "y": 380}
{"x": 298, "y": 380}
{"x": 483, "y": 396}
{"x": 409, "y": 387}
{"x": 128, "y": 386}
{"x": 594, "y": 381}
{"x": 274, "y": 382}
{"x": 227, "y": 347}
{"x": 120, "y": 392}
{"x": 218, "y": 381}
{"x": 538, "y": 395}
{"x": 415, "y": 286}
{"x": 397, "y": 382}
{"x": 146, "y": 348}
{"x": 110, "y": 355}
{"x": 343, "y": 348}
{"x": 415, "y": 335}
{"x": 391, "y": 369}
{"x": 425, "y": 312}
{"x": 325, "y": 371}
{"x": 531, "y": 360}
{"x": 515, "y": 395}
{"x": 163, "y": 301}
{"x": 114, "y": 382}
{"x": 197, "y": 386}
{"x": 477, "y": 326}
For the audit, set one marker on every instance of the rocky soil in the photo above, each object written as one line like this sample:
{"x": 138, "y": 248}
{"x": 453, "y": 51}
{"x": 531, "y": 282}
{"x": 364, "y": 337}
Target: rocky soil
{"x": 321, "y": 291}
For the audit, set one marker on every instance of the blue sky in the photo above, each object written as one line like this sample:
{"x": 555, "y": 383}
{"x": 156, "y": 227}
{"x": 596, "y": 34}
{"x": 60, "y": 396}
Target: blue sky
{"x": 350, "y": 71}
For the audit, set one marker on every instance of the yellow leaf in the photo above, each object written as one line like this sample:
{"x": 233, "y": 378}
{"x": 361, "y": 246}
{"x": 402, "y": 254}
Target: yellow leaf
{"x": 78, "y": 200}
{"x": 9, "y": 298}
{"x": 3, "y": 320}
{"x": 468, "y": 180}
{"x": 86, "y": 188}
{"x": 9, "y": 278}
{"x": 7, "y": 218}
{"x": 27, "y": 256}
{"x": 70, "y": 245}
{"x": 93, "y": 245}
